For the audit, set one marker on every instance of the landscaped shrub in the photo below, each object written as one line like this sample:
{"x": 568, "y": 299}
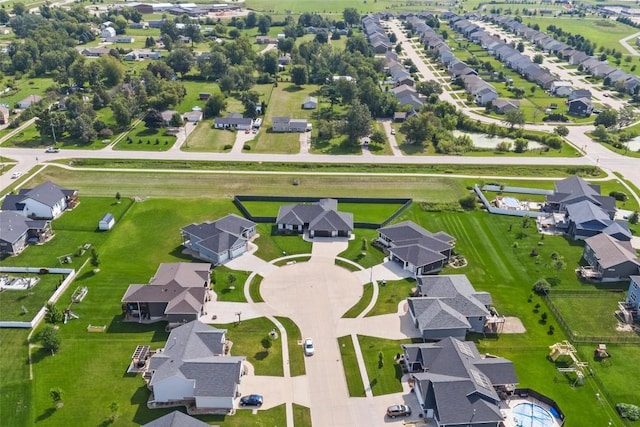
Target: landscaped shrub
{"x": 619, "y": 196}
{"x": 627, "y": 410}
{"x": 468, "y": 202}
{"x": 555, "y": 117}
{"x": 246, "y": 147}
{"x": 227, "y": 147}
{"x": 541, "y": 287}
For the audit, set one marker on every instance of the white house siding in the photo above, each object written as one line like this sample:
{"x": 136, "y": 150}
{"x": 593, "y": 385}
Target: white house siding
{"x": 173, "y": 388}
{"x": 39, "y": 210}
{"x": 214, "y": 402}
{"x": 238, "y": 251}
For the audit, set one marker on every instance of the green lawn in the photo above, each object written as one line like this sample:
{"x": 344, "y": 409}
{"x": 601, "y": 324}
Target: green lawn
{"x": 254, "y": 288}
{"x": 365, "y": 255}
{"x": 13, "y": 302}
{"x": 272, "y": 246}
{"x": 384, "y": 373}
{"x": 296, "y": 356}
{"x": 247, "y": 339}
{"x": 363, "y": 302}
{"x": 362, "y": 212}
{"x": 229, "y": 284}
{"x": 390, "y": 295}
{"x": 16, "y": 392}
{"x": 301, "y": 416}
{"x": 206, "y": 139}
{"x": 350, "y": 366}
{"x": 598, "y": 320}
{"x": 141, "y": 138}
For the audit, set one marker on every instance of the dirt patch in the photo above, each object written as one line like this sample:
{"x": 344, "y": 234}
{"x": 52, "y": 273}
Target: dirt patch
{"x": 513, "y": 325}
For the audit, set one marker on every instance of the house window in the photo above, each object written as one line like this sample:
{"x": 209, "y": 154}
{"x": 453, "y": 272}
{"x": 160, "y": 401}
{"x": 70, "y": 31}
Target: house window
{"x": 480, "y": 319}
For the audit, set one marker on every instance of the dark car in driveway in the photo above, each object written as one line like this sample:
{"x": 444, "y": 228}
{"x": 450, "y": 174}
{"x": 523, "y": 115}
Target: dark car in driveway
{"x": 251, "y": 400}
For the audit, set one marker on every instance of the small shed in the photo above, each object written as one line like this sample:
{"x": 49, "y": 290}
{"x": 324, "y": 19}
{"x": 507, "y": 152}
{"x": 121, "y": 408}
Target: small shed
{"x": 107, "y": 222}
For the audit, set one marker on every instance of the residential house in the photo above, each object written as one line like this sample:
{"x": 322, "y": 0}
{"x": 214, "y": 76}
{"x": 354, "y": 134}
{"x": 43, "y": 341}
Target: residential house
{"x": 582, "y": 107}
{"x": 233, "y": 121}
{"x": 16, "y": 232}
{"x": 266, "y": 40}
{"x": 121, "y": 39}
{"x": 108, "y": 33}
{"x": 501, "y": 106}
{"x": 193, "y": 369}
{"x": 28, "y": 101}
{"x": 613, "y": 259}
{"x": 4, "y": 114}
{"x": 321, "y": 219}
{"x": 485, "y": 95}
{"x": 448, "y": 306}
{"x": 287, "y": 124}
{"x": 575, "y": 189}
{"x": 46, "y": 201}
{"x": 633, "y": 294}
{"x": 416, "y": 249}
{"x": 579, "y": 93}
{"x": 138, "y": 25}
{"x": 586, "y": 219}
{"x": 176, "y": 293}
{"x": 220, "y": 240}
{"x": 561, "y": 88}
{"x": 577, "y": 57}
{"x": 310, "y": 103}
{"x": 456, "y": 385}
{"x": 399, "y": 116}
{"x": 142, "y": 54}
{"x": 94, "y": 52}
{"x": 176, "y": 419}
{"x": 167, "y": 116}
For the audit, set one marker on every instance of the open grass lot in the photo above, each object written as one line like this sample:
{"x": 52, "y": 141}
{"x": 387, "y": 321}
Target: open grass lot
{"x": 272, "y": 245}
{"x": 362, "y": 212}
{"x": 383, "y": 371}
{"x": 296, "y": 355}
{"x": 363, "y": 302}
{"x": 598, "y": 320}
{"x": 390, "y": 295}
{"x": 16, "y": 389}
{"x": 538, "y": 171}
{"x": 366, "y": 257}
{"x": 205, "y": 138}
{"x": 141, "y": 138}
{"x": 605, "y": 33}
{"x": 229, "y": 284}
{"x": 24, "y": 87}
{"x": 351, "y": 368}
{"x": 13, "y": 301}
{"x": 329, "y": 7}
{"x": 301, "y": 416}
{"x": 247, "y": 339}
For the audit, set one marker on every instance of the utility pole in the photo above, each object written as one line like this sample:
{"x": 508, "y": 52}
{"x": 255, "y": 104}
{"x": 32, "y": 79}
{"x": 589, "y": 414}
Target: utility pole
{"x": 53, "y": 132}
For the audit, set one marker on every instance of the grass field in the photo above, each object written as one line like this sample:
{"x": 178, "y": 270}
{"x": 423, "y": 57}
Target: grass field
{"x": 301, "y": 416}
{"x": 206, "y": 139}
{"x": 296, "y": 356}
{"x": 380, "y": 360}
{"x": 254, "y": 289}
{"x": 605, "y": 33}
{"x": 363, "y": 302}
{"x": 351, "y": 368}
{"x": 229, "y": 284}
{"x": 141, "y": 138}
{"x": 598, "y": 320}
{"x": 14, "y": 302}
{"x": 390, "y": 295}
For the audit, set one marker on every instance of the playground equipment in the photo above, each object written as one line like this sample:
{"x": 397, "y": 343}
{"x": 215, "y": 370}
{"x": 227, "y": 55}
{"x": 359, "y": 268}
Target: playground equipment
{"x": 69, "y": 315}
{"x": 565, "y": 348}
{"x": 79, "y": 294}
{"x": 601, "y": 352}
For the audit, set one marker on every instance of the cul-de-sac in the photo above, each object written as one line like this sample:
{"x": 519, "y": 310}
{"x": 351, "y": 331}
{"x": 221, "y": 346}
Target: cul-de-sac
{"x": 342, "y": 213}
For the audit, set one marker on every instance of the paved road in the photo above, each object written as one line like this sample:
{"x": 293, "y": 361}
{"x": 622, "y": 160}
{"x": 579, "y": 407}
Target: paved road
{"x": 625, "y": 43}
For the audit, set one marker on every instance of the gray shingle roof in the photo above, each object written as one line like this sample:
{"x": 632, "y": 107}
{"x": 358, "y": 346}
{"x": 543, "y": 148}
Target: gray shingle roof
{"x": 460, "y": 381}
{"x": 433, "y": 314}
{"x": 176, "y": 419}
{"x": 322, "y": 215}
{"x": 220, "y": 235}
{"x": 46, "y": 193}
{"x": 611, "y": 252}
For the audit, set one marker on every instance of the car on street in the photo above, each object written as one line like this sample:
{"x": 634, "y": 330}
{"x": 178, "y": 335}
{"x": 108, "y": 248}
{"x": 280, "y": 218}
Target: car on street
{"x": 16, "y": 175}
{"x": 52, "y": 150}
{"x": 308, "y": 347}
{"x": 251, "y": 400}
{"x": 393, "y": 131}
{"x": 398, "y": 411}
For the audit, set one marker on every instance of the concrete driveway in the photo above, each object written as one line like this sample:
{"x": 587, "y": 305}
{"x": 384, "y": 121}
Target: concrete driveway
{"x": 275, "y": 390}
{"x": 315, "y": 294}
{"x": 389, "y": 270}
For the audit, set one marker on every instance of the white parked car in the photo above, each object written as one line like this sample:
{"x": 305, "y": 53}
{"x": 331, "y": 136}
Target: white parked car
{"x": 16, "y": 175}
{"x": 393, "y": 131}
{"x": 308, "y": 347}
{"x": 52, "y": 150}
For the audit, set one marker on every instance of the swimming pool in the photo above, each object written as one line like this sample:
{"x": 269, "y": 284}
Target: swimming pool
{"x": 531, "y": 415}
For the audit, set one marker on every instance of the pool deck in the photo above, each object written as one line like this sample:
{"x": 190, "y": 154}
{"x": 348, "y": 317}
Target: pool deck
{"x": 510, "y": 420}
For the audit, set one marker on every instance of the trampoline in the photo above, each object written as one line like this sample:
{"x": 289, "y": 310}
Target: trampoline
{"x": 531, "y": 415}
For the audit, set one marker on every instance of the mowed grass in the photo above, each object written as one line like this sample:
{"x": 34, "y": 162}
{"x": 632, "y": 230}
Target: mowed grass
{"x": 272, "y": 245}
{"x": 14, "y": 303}
{"x": 254, "y": 288}
{"x": 296, "y": 355}
{"x": 603, "y": 32}
{"x": 364, "y": 254}
{"x": 229, "y": 284}
{"x": 141, "y": 138}
{"x": 363, "y": 302}
{"x": 362, "y": 212}
{"x": 598, "y": 320}
{"x": 379, "y": 356}
{"x": 391, "y": 294}
{"x": 206, "y": 139}
{"x": 16, "y": 389}
{"x": 247, "y": 339}
{"x": 301, "y": 416}
{"x": 351, "y": 367}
